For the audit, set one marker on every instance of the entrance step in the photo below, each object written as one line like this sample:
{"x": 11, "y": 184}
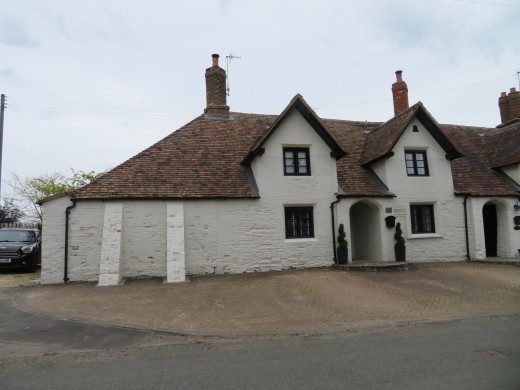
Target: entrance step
{"x": 498, "y": 260}
{"x": 376, "y": 266}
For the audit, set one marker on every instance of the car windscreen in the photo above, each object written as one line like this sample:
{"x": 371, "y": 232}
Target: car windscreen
{"x": 17, "y": 236}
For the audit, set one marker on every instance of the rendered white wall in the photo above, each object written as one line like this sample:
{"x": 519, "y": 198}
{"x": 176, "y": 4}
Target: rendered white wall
{"x": 110, "y": 262}
{"x": 249, "y": 235}
{"x": 85, "y": 237}
{"x": 513, "y": 171}
{"x": 53, "y": 238}
{"x": 144, "y": 238}
{"x": 175, "y": 256}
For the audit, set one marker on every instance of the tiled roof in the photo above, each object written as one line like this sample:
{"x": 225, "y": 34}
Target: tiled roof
{"x": 503, "y": 146}
{"x": 381, "y": 141}
{"x": 472, "y": 173}
{"x": 205, "y": 159}
{"x": 200, "y": 160}
{"x": 299, "y": 104}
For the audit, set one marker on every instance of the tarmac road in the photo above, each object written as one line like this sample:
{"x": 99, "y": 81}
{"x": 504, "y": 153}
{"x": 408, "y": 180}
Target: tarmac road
{"x": 472, "y": 354}
{"x": 24, "y": 334}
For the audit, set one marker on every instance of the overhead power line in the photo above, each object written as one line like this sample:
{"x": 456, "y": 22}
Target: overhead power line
{"x": 418, "y": 94}
{"x": 488, "y": 3}
{"x": 69, "y": 107}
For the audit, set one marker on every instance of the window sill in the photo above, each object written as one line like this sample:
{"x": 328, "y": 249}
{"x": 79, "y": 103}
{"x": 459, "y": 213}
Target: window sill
{"x": 300, "y": 240}
{"x": 425, "y": 235}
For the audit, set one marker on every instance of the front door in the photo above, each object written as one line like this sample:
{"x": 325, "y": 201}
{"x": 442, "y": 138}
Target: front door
{"x": 489, "y": 215}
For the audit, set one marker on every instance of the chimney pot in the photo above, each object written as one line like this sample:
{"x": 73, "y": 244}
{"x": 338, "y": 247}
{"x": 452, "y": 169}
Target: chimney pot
{"x": 512, "y": 90}
{"x": 215, "y": 59}
{"x": 399, "y": 75}
{"x": 503, "y": 94}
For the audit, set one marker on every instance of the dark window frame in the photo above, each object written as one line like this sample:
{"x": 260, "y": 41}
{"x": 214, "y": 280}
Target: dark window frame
{"x": 297, "y": 224}
{"x": 415, "y": 166}
{"x": 422, "y": 218}
{"x": 295, "y": 151}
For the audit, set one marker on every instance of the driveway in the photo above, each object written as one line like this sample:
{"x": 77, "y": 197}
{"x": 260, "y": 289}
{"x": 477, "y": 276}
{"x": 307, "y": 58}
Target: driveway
{"x": 290, "y": 302}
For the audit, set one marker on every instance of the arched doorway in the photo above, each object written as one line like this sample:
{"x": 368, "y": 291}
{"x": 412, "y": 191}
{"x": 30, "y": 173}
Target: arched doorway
{"x": 365, "y": 228}
{"x": 489, "y": 216}
{"x": 496, "y": 228}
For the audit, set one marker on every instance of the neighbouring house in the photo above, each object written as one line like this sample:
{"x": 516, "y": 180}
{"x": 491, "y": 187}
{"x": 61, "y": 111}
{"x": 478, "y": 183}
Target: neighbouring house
{"x": 232, "y": 192}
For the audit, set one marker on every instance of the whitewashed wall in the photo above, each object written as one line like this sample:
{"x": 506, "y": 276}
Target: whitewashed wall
{"x": 53, "y": 239}
{"x": 249, "y": 235}
{"x": 513, "y": 171}
{"x": 448, "y": 241}
{"x": 144, "y": 238}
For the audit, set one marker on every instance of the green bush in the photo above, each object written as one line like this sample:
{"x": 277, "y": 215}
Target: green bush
{"x": 398, "y": 236}
{"x": 341, "y": 237}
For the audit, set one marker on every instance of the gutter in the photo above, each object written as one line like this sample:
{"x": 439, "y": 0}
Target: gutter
{"x": 334, "y": 228}
{"x": 466, "y": 225}
{"x": 66, "y": 259}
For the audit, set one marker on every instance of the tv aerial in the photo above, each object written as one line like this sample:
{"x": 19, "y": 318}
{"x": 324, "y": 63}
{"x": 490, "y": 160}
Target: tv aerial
{"x": 229, "y": 58}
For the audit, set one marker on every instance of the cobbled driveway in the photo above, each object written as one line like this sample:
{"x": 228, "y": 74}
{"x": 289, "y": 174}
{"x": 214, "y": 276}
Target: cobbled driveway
{"x": 305, "y": 301}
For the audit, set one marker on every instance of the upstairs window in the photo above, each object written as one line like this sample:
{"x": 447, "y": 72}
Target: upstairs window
{"x": 299, "y": 222}
{"x": 296, "y": 162}
{"x": 422, "y": 219}
{"x": 416, "y": 163}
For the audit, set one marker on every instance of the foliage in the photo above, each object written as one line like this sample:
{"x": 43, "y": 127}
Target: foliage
{"x": 341, "y": 237}
{"x": 9, "y": 213}
{"x": 398, "y": 236}
{"x": 32, "y": 190}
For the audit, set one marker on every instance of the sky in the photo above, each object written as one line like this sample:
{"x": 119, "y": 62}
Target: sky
{"x": 91, "y": 83}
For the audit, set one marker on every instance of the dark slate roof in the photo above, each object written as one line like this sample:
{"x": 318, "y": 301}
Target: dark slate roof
{"x": 207, "y": 158}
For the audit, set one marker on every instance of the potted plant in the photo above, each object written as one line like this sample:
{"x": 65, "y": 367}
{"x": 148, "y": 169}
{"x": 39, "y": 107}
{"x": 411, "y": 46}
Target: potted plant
{"x": 399, "y": 247}
{"x": 342, "y": 246}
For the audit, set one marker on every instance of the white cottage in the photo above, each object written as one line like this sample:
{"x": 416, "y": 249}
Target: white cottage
{"x": 232, "y": 192}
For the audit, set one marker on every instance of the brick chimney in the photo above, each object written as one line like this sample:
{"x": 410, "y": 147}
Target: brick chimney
{"x": 400, "y": 94}
{"x": 216, "y": 89}
{"x": 509, "y": 106}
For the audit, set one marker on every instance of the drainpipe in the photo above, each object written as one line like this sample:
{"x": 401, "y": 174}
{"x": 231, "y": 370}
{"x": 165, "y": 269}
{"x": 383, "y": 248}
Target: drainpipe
{"x": 334, "y": 229}
{"x": 66, "y": 259}
{"x": 466, "y": 225}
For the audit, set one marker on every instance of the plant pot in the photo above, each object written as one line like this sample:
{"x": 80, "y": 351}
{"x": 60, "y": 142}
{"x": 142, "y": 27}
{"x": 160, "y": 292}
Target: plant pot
{"x": 400, "y": 253}
{"x": 342, "y": 255}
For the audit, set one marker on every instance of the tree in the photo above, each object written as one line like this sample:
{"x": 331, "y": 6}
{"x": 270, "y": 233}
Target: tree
{"x": 9, "y": 213}
{"x": 32, "y": 190}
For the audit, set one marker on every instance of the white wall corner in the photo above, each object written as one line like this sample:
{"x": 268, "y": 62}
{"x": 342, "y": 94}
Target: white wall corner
{"x": 175, "y": 255}
{"x": 110, "y": 262}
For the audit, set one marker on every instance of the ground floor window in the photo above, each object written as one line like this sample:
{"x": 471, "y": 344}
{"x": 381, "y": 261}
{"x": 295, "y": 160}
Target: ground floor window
{"x": 422, "y": 218}
{"x": 299, "y": 222}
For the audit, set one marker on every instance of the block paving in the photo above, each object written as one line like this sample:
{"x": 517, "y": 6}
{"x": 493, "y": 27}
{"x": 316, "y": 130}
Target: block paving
{"x": 287, "y": 302}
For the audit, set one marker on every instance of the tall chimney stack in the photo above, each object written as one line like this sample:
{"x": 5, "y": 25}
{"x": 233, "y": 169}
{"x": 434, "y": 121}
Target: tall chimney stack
{"x": 400, "y": 94}
{"x": 216, "y": 89}
{"x": 509, "y": 106}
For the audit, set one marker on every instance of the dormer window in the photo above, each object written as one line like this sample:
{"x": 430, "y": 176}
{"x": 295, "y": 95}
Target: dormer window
{"x": 416, "y": 163}
{"x": 296, "y": 162}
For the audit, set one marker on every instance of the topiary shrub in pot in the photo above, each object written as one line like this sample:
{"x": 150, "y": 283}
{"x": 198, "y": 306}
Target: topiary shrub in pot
{"x": 399, "y": 247}
{"x": 342, "y": 251}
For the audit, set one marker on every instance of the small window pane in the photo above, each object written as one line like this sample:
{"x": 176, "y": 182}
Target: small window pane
{"x": 296, "y": 161}
{"x": 416, "y": 163}
{"x": 298, "y": 222}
